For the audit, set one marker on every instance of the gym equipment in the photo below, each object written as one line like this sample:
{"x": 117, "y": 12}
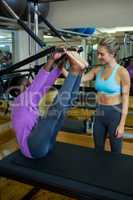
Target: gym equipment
{"x": 17, "y": 5}
{"x": 27, "y": 60}
{"x": 23, "y": 24}
{"x": 28, "y": 30}
{"x": 75, "y": 171}
{"x": 52, "y": 28}
{"x": 75, "y": 126}
{"x": 33, "y": 58}
{"x": 43, "y": 8}
{"x": 21, "y": 8}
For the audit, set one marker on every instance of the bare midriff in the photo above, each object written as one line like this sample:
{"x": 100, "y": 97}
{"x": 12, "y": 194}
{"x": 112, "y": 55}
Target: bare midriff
{"x": 108, "y": 100}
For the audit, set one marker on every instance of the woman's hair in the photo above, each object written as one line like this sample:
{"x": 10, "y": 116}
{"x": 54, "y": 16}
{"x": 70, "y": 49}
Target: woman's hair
{"x": 14, "y": 86}
{"x": 110, "y": 44}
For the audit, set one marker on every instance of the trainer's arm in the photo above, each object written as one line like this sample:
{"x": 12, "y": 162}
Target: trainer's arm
{"x": 125, "y": 82}
{"x": 85, "y": 77}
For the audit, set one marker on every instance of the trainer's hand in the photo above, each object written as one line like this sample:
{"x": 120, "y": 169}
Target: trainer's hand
{"x": 119, "y": 131}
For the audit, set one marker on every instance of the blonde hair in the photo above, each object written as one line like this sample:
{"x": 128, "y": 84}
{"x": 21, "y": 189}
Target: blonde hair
{"x": 110, "y": 44}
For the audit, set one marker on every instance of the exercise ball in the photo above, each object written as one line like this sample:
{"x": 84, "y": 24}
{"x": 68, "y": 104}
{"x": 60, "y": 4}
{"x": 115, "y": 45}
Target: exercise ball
{"x": 18, "y": 6}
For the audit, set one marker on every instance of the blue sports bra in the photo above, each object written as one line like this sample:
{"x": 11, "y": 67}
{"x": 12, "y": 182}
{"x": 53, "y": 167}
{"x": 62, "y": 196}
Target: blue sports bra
{"x": 109, "y": 86}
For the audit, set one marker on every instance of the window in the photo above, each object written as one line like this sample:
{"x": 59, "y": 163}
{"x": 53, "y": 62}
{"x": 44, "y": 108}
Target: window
{"x": 6, "y": 48}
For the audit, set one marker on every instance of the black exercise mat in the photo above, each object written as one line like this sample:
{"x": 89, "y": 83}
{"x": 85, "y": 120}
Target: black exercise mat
{"x": 84, "y": 165}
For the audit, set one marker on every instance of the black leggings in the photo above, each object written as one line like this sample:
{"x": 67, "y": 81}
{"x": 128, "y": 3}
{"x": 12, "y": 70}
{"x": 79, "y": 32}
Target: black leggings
{"x": 106, "y": 122}
{"x": 43, "y": 136}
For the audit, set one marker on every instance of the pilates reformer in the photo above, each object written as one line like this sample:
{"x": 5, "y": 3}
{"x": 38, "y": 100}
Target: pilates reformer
{"x": 75, "y": 171}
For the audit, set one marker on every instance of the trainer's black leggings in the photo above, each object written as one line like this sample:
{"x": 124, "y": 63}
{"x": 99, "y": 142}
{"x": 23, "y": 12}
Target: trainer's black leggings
{"x": 107, "y": 119}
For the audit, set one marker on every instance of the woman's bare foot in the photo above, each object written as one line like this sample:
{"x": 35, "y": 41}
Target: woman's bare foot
{"x": 77, "y": 63}
{"x": 75, "y": 59}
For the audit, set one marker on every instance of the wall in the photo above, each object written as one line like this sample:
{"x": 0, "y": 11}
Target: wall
{"x": 95, "y": 13}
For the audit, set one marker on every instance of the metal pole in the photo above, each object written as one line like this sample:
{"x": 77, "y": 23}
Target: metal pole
{"x": 29, "y": 24}
{"x": 29, "y": 38}
{"x": 10, "y": 10}
{"x": 36, "y": 29}
{"x": 23, "y": 25}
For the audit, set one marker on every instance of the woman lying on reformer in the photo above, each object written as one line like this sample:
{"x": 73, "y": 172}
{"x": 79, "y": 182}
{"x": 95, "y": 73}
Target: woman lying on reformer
{"x": 36, "y": 135}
